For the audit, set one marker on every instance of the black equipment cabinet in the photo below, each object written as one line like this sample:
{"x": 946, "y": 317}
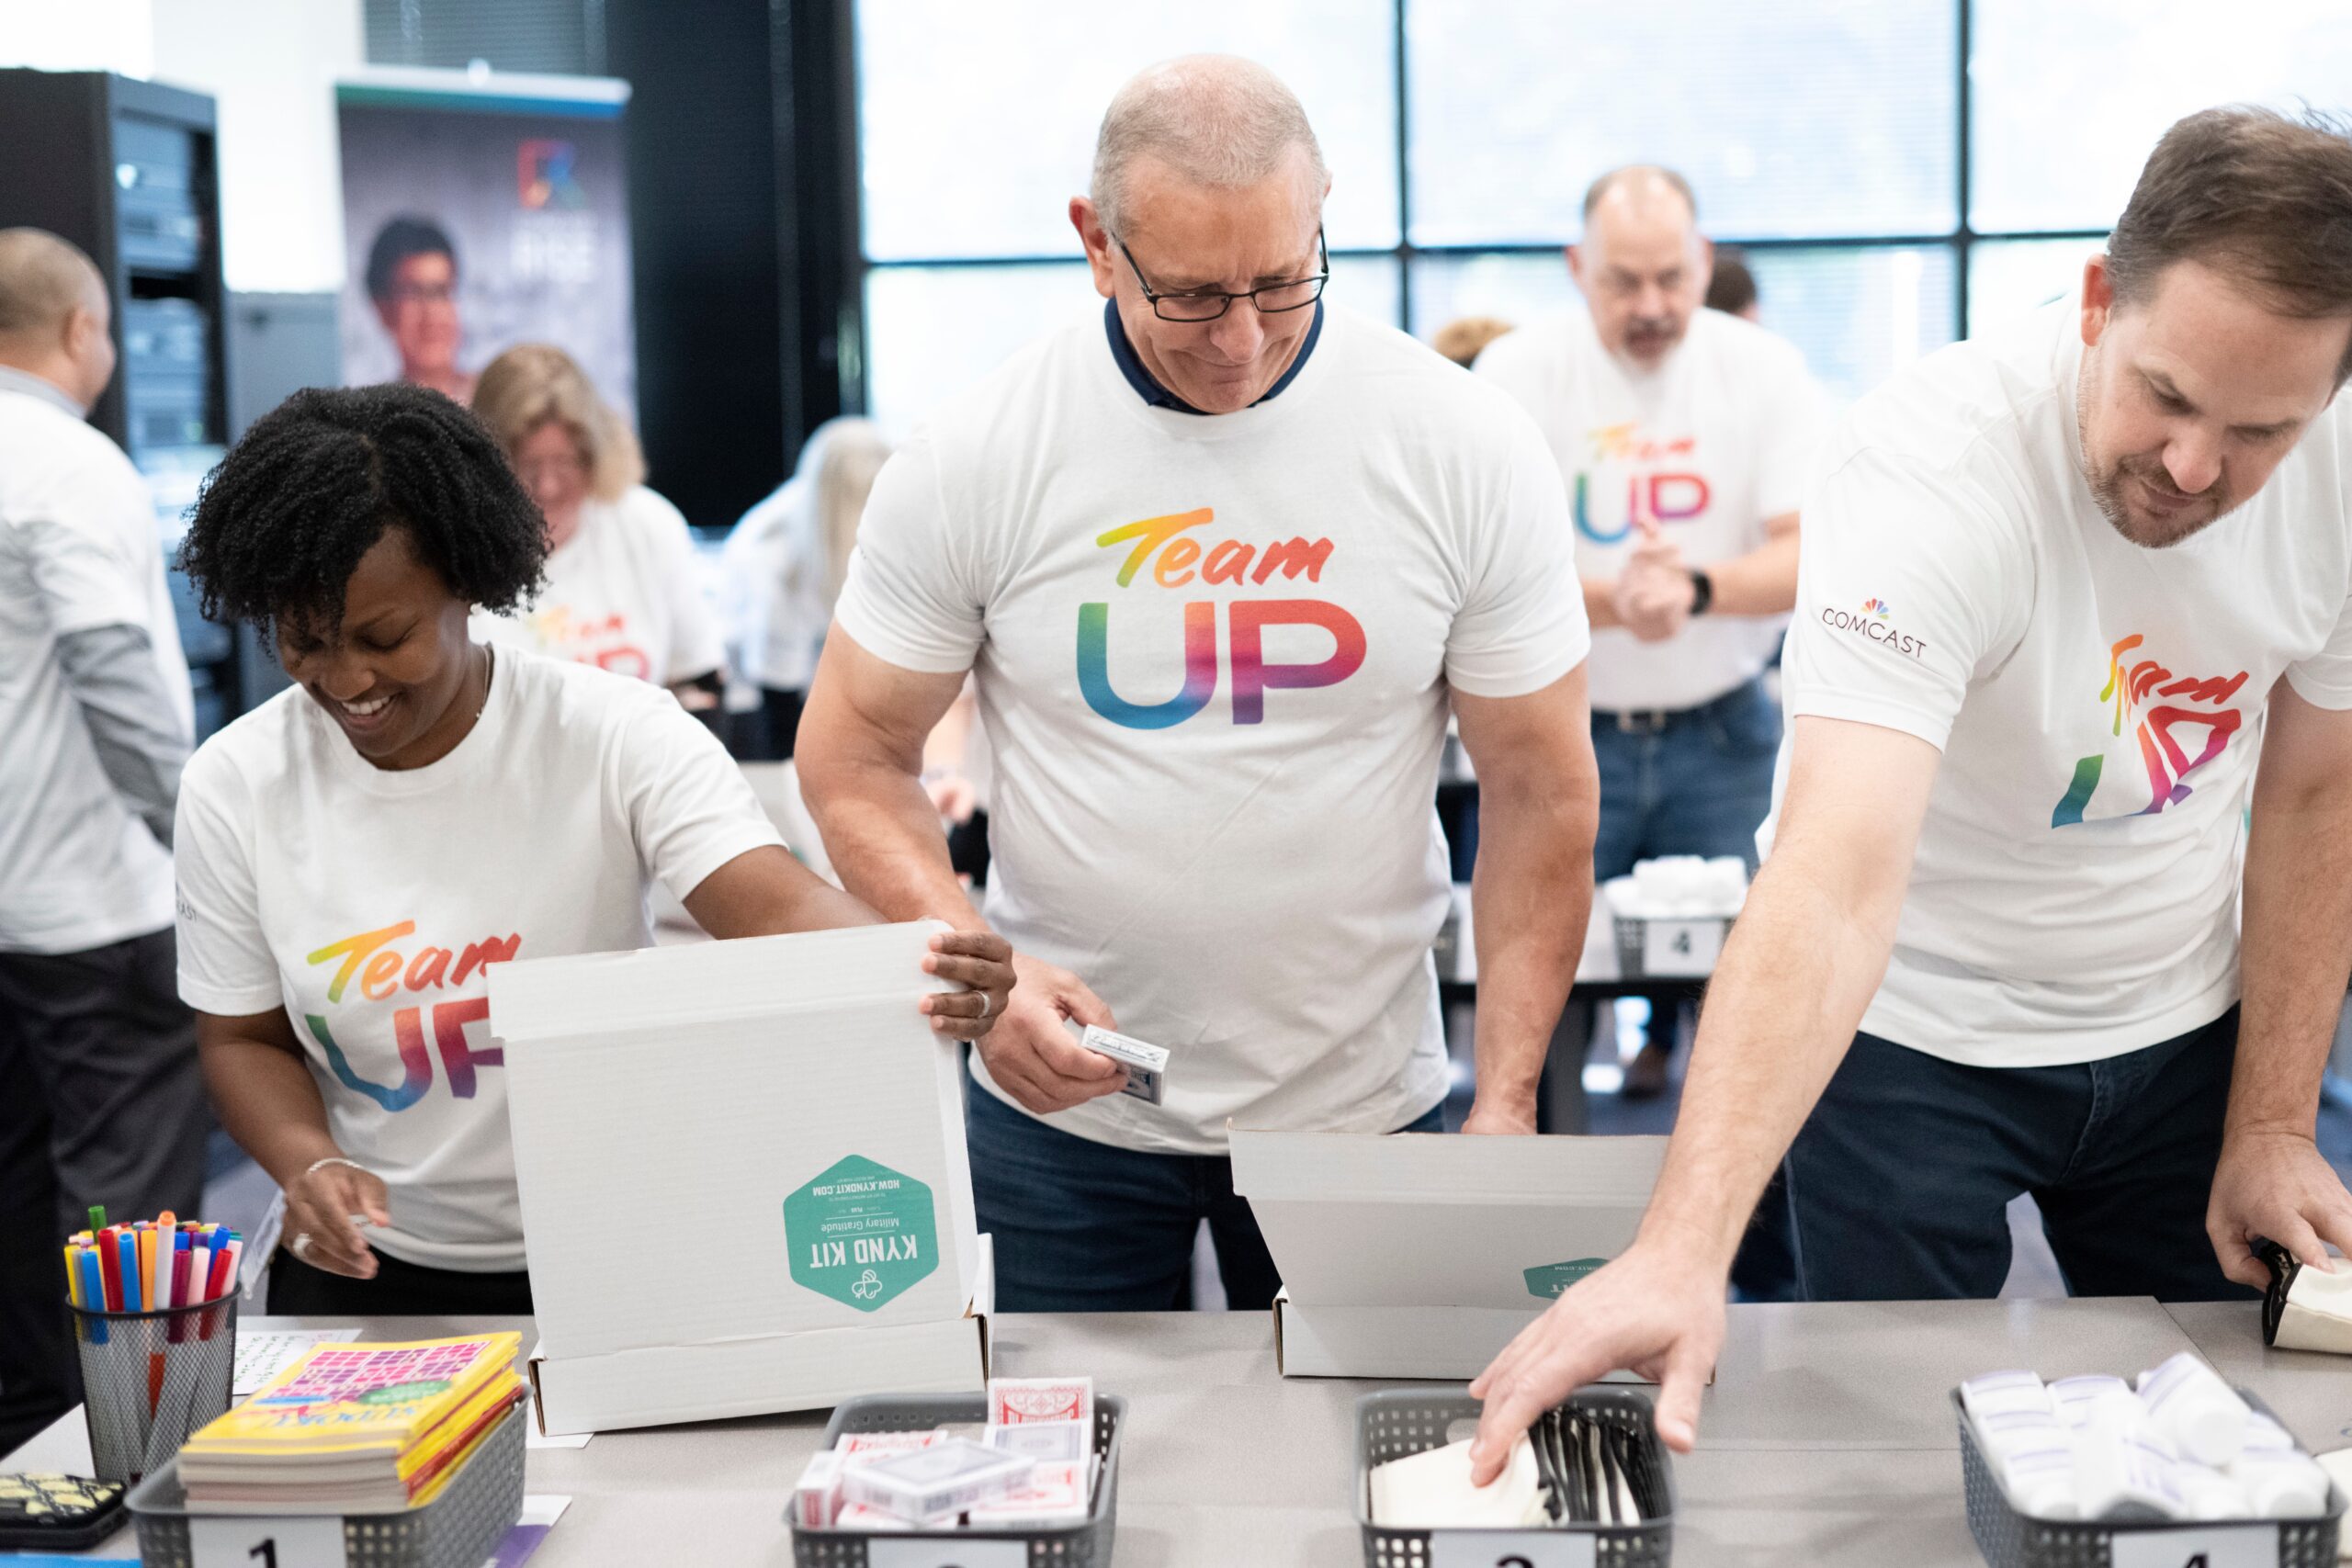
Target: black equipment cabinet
{"x": 129, "y": 171}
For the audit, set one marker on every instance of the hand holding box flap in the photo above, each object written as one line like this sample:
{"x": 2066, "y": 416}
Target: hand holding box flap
{"x": 675, "y": 1112}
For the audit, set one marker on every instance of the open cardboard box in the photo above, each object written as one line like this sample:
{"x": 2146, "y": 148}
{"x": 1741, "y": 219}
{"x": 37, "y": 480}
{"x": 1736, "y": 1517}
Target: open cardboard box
{"x": 743, "y": 1176}
{"x": 1420, "y": 1256}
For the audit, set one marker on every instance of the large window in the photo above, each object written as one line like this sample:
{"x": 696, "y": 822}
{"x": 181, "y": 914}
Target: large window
{"x": 1898, "y": 171}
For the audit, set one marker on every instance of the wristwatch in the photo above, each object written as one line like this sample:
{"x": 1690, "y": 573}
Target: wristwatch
{"x": 1703, "y": 591}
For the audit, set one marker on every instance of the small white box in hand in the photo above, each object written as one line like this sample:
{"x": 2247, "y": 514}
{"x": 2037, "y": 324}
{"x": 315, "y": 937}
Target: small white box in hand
{"x": 1144, "y": 1063}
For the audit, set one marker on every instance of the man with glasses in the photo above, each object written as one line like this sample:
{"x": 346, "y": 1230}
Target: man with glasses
{"x": 1221, "y": 561}
{"x": 1682, "y": 435}
{"x": 412, "y": 279}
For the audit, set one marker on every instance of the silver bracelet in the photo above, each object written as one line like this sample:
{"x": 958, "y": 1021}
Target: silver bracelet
{"x": 319, "y": 1165}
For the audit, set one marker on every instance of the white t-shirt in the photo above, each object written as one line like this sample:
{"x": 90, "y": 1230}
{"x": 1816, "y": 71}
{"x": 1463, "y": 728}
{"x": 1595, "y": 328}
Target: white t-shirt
{"x": 78, "y": 551}
{"x": 1710, "y": 445}
{"x": 623, "y": 594}
{"x": 2098, "y": 706}
{"x": 368, "y": 903}
{"x": 1213, "y": 657}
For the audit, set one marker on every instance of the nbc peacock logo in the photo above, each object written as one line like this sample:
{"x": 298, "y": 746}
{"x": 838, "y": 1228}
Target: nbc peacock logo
{"x": 1876, "y": 609}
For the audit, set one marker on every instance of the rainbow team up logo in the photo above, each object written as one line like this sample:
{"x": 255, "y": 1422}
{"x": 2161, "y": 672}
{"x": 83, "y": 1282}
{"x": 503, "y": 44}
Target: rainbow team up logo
{"x": 1176, "y": 560}
{"x": 2162, "y": 708}
{"x": 1876, "y": 609}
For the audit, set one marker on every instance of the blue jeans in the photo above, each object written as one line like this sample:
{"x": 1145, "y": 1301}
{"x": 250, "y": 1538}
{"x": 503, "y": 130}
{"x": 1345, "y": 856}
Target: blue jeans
{"x": 1083, "y": 1226}
{"x": 1897, "y": 1187}
{"x": 1698, "y": 785}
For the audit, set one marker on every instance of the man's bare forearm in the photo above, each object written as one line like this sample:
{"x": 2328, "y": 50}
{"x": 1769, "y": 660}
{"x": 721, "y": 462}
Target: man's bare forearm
{"x": 1780, "y": 1015}
{"x": 2295, "y": 956}
{"x": 883, "y": 836}
{"x": 1529, "y": 895}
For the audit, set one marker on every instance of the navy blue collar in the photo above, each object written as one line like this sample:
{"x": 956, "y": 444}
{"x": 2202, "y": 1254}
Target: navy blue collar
{"x": 1124, "y": 354}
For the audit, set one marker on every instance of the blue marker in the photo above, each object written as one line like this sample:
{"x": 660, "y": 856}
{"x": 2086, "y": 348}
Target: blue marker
{"x": 128, "y": 1246}
{"x": 93, "y": 1290}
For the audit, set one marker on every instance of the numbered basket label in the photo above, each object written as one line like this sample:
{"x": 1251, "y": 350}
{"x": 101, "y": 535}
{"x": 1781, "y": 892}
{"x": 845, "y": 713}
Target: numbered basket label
{"x": 216, "y": 1543}
{"x": 1510, "y": 1548}
{"x": 884, "y": 1551}
{"x": 2238, "y": 1546}
{"x": 1680, "y": 947}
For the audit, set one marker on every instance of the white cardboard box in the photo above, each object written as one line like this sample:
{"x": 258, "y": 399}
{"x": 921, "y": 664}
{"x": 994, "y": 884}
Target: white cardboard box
{"x": 743, "y": 1176}
{"x": 1420, "y": 1256}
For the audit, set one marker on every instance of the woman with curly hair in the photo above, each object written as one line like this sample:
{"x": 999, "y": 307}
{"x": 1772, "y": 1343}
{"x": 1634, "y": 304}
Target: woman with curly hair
{"x": 354, "y": 852}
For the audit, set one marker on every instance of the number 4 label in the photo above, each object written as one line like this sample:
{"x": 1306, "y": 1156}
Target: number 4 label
{"x": 1510, "y": 1548}
{"x": 1681, "y": 947}
{"x": 2239, "y": 1546}
{"x": 218, "y": 1542}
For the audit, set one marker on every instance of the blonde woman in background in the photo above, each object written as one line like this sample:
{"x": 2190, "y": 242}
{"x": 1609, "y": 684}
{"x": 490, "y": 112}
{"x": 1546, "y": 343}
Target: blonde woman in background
{"x": 624, "y": 591}
{"x": 784, "y": 566}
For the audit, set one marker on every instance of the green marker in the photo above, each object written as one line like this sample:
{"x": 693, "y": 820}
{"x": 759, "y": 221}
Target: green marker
{"x": 97, "y": 1218}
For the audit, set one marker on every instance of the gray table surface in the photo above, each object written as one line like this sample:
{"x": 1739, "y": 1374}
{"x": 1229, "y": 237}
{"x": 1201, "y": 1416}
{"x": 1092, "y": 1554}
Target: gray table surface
{"x": 1827, "y": 1440}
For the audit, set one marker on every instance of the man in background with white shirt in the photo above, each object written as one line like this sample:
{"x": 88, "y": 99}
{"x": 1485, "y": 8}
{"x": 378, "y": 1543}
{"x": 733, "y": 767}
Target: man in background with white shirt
{"x": 2063, "y": 585}
{"x": 1682, "y": 435}
{"x": 100, "y": 1100}
{"x": 1220, "y": 556}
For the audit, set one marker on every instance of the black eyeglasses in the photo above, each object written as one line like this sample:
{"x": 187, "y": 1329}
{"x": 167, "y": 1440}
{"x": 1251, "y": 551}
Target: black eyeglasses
{"x": 1208, "y": 304}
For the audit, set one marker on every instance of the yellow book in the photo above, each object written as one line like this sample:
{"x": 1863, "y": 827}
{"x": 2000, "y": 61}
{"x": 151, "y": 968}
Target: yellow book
{"x": 346, "y": 1398}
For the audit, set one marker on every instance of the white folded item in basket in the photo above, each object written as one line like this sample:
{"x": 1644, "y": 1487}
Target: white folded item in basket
{"x": 2201, "y": 1416}
{"x": 936, "y": 1483}
{"x": 2040, "y": 1483}
{"x": 2318, "y": 1312}
{"x": 1997, "y": 1393}
{"x": 2282, "y": 1486}
{"x": 2207, "y": 1494}
{"x": 2076, "y": 1396}
{"x": 1056, "y": 1498}
{"x": 1433, "y": 1490}
{"x": 1681, "y": 888}
{"x": 2125, "y": 1476}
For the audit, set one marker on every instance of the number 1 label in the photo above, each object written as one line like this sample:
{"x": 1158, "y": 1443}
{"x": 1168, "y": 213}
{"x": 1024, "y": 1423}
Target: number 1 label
{"x": 216, "y": 1541}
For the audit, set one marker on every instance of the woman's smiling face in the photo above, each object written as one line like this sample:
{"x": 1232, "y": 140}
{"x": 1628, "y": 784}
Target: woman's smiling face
{"x": 391, "y": 670}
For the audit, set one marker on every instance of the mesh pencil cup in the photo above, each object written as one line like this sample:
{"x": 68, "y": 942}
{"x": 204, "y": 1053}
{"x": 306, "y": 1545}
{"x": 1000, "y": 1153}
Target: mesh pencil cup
{"x": 149, "y": 1379}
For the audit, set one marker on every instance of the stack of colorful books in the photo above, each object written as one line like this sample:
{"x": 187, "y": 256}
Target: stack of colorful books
{"x": 354, "y": 1429}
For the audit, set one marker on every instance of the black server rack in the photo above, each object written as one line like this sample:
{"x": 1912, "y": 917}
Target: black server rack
{"x": 129, "y": 171}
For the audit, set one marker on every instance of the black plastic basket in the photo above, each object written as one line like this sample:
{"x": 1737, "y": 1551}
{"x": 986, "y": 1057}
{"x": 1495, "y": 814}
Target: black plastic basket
{"x": 2012, "y": 1539}
{"x": 459, "y": 1528}
{"x": 151, "y": 1378}
{"x": 1080, "y": 1546}
{"x": 1400, "y": 1422}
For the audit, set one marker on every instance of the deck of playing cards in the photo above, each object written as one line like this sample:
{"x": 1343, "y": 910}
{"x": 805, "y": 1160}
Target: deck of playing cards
{"x": 937, "y": 1483}
{"x": 1144, "y": 1063}
{"x": 1058, "y": 1497}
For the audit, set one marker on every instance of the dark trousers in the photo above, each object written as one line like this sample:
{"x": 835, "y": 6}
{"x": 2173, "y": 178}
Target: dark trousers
{"x": 399, "y": 1290}
{"x": 100, "y": 1103}
{"x": 1898, "y": 1188}
{"x": 1083, "y": 1226}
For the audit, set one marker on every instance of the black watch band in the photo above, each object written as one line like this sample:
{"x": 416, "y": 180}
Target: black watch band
{"x": 1703, "y": 591}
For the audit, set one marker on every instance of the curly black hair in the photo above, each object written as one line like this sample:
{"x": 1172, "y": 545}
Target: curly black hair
{"x": 280, "y": 525}
{"x": 402, "y": 237}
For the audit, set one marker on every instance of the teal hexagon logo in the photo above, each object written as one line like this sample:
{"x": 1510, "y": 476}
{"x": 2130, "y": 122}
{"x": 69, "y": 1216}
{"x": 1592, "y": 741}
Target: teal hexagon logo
{"x": 860, "y": 1233}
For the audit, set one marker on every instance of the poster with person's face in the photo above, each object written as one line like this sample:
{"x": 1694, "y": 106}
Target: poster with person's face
{"x": 479, "y": 212}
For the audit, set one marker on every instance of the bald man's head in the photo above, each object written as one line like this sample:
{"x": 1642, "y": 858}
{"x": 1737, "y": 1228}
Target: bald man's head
{"x": 55, "y": 317}
{"x": 1642, "y": 264}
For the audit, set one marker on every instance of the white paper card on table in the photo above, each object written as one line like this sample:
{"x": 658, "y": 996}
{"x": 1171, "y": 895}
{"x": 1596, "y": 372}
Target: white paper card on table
{"x": 533, "y": 1440}
{"x": 883, "y": 1552}
{"x": 1681, "y": 947}
{"x": 2238, "y": 1546}
{"x": 221, "y": 1541}
{"x": 261, "y": 1357}
{"x": 1514, "y": 1549}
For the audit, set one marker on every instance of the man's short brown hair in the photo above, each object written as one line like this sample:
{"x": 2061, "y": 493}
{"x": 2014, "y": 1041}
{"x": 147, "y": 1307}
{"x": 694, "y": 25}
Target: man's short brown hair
{"x": 2262, "y": 196}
